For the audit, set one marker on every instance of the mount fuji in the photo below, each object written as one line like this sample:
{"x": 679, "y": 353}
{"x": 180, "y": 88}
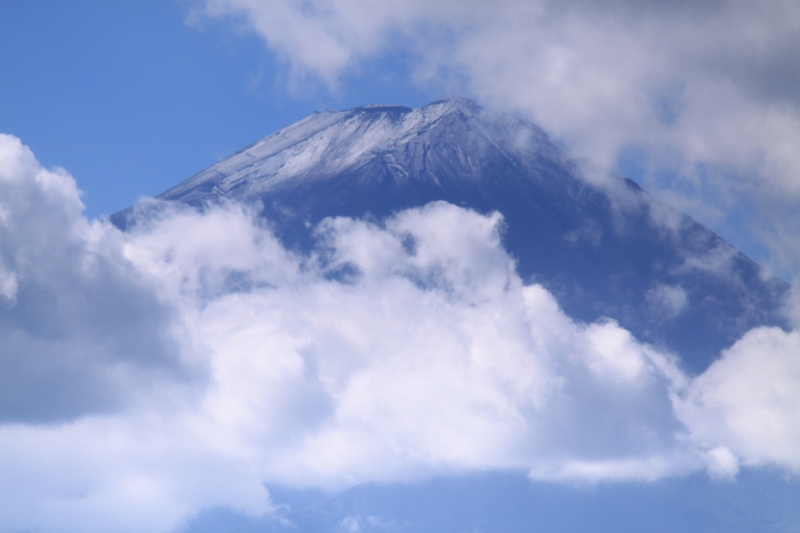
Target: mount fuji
{"x": 603, "y": 249}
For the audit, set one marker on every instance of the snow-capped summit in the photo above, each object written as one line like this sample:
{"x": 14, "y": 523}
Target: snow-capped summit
{"x": 681, "y": 287}
{"x": 328, "y": 144}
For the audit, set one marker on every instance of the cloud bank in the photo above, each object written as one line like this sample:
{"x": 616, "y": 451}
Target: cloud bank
{"x": 697, "y": 100}
{"x": 194, "y": 361}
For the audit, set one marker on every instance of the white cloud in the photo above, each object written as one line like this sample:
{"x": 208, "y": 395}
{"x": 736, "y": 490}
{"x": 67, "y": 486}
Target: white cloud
{"x": 68, "y": 301}
{"x": 396, "y": 351}
{"x": 382, "y": 375}
{"x": 706, "y": 91}
{"x": 749, "y": 401}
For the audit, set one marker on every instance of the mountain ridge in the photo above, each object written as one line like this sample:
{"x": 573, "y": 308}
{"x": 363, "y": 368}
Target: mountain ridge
{"x": 297, "y": 150}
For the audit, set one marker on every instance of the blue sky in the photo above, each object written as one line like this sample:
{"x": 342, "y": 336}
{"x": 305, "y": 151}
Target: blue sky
{"x": 135, "y": 391}
{"x": 131, "y": 100}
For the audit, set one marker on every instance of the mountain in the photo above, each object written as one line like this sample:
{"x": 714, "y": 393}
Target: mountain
{"x": 604, "y": 250}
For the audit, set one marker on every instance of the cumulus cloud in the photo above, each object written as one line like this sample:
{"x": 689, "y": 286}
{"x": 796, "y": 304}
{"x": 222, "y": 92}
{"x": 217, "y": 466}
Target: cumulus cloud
{"x": 68, "y": 300}
{"x": 396, "y": 350}
{"x": 748, "y": 402}
{"x": 702, "y": 94}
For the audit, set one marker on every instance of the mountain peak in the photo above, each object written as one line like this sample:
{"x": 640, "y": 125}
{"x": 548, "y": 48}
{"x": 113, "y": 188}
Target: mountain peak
{"x": 439, "y": 107}
{"x": 381, "y": 108}
{"x": 331, "y": 143}
{"x": 456, "y": 102}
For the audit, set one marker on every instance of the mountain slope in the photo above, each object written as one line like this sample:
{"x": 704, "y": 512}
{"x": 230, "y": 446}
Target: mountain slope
{"x": 599, "y": 250}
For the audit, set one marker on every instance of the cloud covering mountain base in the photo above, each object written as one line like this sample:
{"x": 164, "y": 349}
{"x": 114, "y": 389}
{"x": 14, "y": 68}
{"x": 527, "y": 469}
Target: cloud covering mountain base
{"x": 193, "y": 361}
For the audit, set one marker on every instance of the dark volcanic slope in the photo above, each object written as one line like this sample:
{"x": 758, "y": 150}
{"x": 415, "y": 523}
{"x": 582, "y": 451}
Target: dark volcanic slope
{"x": 684, "y": 288}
